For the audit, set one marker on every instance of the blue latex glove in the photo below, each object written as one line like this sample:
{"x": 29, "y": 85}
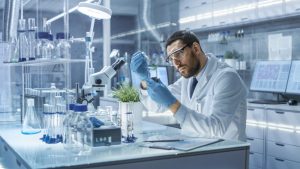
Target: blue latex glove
{"x": 96, "y": 122}
{"x": 139, "y": 65}
{"x": 160, "y": 93}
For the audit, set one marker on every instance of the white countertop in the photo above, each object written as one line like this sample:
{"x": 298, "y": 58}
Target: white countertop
{"x": 37, "y": 154}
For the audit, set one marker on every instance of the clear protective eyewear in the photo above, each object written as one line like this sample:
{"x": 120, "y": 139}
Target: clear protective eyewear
{"x": 177, "y": 54}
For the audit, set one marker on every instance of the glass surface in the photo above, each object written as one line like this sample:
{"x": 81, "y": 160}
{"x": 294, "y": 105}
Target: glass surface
{"x": 270, "y": 76}
{"x": 293, "y": 86}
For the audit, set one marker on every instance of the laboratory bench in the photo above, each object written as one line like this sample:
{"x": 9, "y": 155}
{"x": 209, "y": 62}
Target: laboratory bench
{"x": 28, "y": 151}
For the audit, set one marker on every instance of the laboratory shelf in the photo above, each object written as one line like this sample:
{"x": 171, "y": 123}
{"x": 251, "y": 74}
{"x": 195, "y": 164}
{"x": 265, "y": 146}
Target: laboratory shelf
{"x": 42, "y": 62}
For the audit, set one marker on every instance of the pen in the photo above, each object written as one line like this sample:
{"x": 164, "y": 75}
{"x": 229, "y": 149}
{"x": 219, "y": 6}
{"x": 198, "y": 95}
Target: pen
{"x": 161, "y": 147}
{"x": 158, "y": 147}
{"x": 171, "y": 140}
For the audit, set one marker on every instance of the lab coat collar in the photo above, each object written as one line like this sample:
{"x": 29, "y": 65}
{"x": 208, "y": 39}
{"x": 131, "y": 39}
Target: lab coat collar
{"x": 205, "y": 74}
{"x": 209, "y": 68}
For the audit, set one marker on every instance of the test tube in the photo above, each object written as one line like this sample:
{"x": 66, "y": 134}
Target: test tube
{"x": 129, "y": 124}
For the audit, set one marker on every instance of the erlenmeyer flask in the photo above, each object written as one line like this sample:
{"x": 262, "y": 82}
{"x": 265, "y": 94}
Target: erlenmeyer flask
{"x": 31, "y": 123}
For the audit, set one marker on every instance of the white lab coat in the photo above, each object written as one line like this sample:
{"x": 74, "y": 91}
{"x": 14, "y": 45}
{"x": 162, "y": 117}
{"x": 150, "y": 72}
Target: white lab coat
{"x": 217, "y": 107}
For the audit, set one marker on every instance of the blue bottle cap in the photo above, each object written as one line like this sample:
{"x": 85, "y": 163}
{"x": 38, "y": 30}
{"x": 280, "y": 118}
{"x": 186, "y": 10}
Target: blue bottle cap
{"x": 71, "y": 106}
{"x": 50, "y": 37}
{"x": 42, "y": 35}
{"x": 80, "y": 108}
{"x": 61, "y": 35}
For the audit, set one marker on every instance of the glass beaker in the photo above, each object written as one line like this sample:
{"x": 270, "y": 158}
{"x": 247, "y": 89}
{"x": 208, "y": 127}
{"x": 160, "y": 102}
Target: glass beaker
{"x": 31, "y": 123}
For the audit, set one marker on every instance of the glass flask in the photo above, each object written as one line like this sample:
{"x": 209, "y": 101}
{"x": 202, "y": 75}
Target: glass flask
{"x": 31, "y": 38}
{"x": 63, "y": 46}
{"x": 31, "y": 123}
{"x": 81, "y": 131}
{"x": 22, "y": 41}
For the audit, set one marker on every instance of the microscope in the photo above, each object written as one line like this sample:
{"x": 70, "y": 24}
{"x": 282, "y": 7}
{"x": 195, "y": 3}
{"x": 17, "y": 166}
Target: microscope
{"x": 98, "y": 81}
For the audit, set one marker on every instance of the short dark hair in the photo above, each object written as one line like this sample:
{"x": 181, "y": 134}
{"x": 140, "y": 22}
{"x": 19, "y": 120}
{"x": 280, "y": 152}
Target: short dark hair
{"x": 187, "y": 37}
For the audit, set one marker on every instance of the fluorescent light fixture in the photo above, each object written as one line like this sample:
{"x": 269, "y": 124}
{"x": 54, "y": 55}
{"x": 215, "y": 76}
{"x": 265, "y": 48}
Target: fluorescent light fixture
{"x": 273, "y": 128}
{"x": 187, "y": 19}
{"x": 261, "y": 123}
{"x": 94, "y": 10}
{"x": 268, "y": 3}
{"x": 287, "y": 130}
{"x": 204, "y": 16}
{"x": 222, "y": 12}
{"x": 251, "y": 124}
{"x": 162, "y": 25}
{"x": 262, "y": 126}
{"x": 243, "y": 8}
{"x": 251, "y": 121}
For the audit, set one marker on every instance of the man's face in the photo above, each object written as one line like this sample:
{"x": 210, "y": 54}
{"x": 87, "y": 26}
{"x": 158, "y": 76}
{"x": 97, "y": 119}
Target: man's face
{"x": 184, "y": 58}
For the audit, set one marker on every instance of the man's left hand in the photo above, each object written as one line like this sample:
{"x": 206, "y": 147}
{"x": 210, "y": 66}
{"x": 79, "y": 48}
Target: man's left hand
{"x": 160, "y": 93}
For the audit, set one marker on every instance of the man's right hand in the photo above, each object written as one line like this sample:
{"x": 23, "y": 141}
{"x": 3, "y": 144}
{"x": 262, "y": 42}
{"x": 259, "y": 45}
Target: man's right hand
{"x": 139, "y": 65}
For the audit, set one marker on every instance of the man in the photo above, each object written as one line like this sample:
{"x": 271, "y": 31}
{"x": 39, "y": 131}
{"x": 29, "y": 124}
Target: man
{"x": 209, "y": 100}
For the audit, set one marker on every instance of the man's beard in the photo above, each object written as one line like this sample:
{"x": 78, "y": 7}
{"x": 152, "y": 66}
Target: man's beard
{"x": 192, "y": 70}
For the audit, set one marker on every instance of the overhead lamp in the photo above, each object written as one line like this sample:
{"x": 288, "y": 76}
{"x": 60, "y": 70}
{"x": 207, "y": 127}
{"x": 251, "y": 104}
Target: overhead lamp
{"x": 94, "y": 10}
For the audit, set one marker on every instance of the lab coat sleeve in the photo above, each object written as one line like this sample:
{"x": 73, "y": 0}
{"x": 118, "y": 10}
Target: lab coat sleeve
{"x": 155, "y": 107}
{"x": 228, "y": 92}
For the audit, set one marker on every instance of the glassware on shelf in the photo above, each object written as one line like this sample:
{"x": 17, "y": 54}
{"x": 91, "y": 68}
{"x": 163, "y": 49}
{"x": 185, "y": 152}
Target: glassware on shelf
{"x": 63, "y": 46}
{"x": 22, "y": 41}
{"x": 31, "y": 123}
{"x": 41, "y": 38}
{"x": 48, "y": 47}
{"x": 14, "y": 51}
{"x": 31, "y": 39}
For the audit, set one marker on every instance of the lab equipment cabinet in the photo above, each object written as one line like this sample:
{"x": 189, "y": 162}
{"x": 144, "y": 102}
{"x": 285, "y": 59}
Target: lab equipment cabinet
{"x": 274, "y": 134}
